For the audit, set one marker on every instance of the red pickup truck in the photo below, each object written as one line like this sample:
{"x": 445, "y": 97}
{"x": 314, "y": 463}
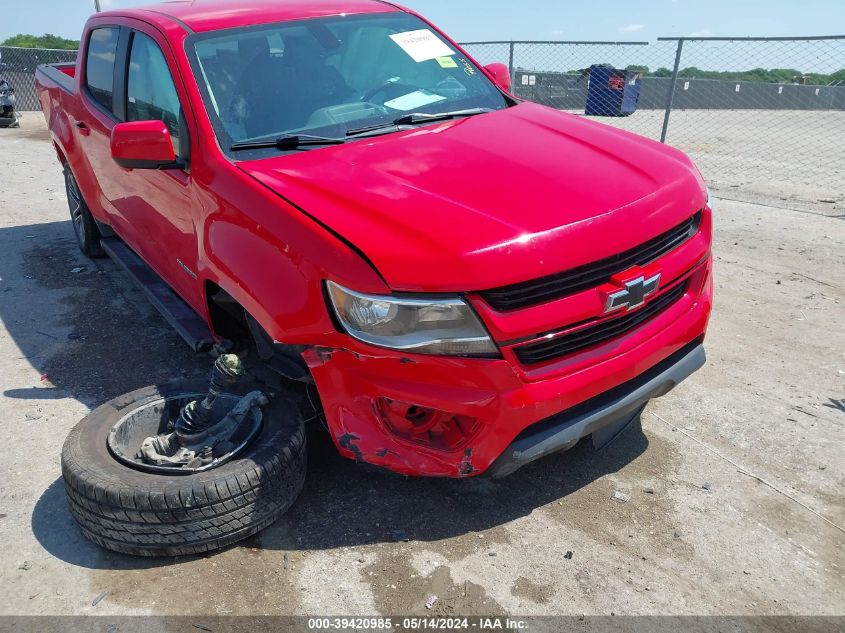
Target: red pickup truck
{"x": 467, "y": 281}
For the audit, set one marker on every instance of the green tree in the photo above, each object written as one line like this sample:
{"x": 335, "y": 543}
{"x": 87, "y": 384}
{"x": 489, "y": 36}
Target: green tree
{"x": 838, "y": 76}
{"x": 41, "y": 41}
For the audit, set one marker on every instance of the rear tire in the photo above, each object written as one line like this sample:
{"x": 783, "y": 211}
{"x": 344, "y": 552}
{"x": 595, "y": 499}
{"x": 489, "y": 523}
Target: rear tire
{"x": 150, "y": 514}
{"x": 84, "y": 227}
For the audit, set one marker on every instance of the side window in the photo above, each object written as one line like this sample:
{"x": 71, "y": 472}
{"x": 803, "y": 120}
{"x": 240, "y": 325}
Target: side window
{"x": 150, "y": 93}
{"x": 99, "y": 65}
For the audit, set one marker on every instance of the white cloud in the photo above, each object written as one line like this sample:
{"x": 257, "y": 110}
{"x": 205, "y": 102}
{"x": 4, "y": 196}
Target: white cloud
{"x": 701, "y": 33}
{"x": 631, "y": 28}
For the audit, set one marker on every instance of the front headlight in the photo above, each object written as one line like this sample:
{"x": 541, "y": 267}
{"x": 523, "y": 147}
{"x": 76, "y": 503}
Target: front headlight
{"x": 424, "y": 326}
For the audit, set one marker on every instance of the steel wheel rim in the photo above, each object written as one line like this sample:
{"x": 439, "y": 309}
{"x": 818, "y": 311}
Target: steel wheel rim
{"x": 127, "y": 455}
{"x": 75, "y": 202}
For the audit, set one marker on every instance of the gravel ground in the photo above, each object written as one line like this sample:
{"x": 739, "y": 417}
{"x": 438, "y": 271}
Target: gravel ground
{"x": 735, "y": 478}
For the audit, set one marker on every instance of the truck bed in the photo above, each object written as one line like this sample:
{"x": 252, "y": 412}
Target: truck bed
{"x": 60, "y": 74}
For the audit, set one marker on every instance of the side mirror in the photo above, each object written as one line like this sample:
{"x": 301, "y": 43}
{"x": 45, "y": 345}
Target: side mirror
{"x": 143, "y": 145}
{"x": 501, "y": 75}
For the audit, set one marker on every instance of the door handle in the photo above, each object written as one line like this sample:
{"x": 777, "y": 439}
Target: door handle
{"x": 83, "y": 128}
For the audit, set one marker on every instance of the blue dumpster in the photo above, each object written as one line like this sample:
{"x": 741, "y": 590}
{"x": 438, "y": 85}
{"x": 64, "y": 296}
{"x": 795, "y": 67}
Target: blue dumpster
{"x": 612, "y": 92}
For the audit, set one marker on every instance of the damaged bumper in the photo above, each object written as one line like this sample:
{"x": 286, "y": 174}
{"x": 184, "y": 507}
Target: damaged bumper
{"x": 479, "y": 415}
{"x": 565, "y": 429}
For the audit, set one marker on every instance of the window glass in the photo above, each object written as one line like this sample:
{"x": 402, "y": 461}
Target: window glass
{"x": 150, "y": 93}
{"x": 329, "y": 75}
{"x": 99, "y": 65}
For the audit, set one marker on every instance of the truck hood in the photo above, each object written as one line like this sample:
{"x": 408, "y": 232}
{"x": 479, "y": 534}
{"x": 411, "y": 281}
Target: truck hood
{"x": 489, "y": 200}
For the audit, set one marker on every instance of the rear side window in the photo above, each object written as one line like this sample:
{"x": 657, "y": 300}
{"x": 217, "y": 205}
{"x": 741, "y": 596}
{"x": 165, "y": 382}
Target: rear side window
{"x": 99, "y": 65}
{"x": 150, "y": 93}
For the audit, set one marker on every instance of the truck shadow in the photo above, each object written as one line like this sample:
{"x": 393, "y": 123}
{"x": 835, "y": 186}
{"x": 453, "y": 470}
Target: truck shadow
{"x": 80, "y": 323}
{"x": 90, "y": 336}
{"x": 345, "y": 504}
{"x": 95, "y": 337}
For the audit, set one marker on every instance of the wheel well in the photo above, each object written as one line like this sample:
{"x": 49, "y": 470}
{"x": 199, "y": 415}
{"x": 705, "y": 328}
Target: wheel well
{"x": 60, "y": 154}
{"x": 228, "y": 318}
{"x": 231, "y": 321}
{"x": 104, "y": 228}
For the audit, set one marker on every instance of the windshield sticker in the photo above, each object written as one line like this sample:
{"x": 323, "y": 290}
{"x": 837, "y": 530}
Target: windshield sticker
{"x": 413, "y": 100}
{"x": 447, "y": 62}
{"x": 422, "y": 45}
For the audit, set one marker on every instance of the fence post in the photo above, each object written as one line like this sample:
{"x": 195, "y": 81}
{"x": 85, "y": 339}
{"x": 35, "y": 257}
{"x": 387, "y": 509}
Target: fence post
{"x": 510, "y": 60}
{"x": 671, "y": 95}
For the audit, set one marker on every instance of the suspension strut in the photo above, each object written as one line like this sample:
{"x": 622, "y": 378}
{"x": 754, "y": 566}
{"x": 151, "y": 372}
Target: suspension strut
{"x": 196, "y": 416}
{"x": 204, "y": 435}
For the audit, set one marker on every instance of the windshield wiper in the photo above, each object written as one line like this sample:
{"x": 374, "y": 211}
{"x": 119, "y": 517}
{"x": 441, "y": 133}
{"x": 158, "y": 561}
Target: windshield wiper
{"x": 293, "y": 141}
{"x": 415, "y": 118}
{"x": 422, "y": 117}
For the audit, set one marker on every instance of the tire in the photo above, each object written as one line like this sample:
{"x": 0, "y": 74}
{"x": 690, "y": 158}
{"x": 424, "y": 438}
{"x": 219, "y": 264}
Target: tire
{"x": 151, "y": 514}
{"x": 84, "y": 227}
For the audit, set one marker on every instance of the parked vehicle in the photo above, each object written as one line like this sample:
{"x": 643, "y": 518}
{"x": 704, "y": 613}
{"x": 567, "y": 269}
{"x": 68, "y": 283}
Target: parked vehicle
{"x": 465, "y": 281}
{"x": 8, "y": 113}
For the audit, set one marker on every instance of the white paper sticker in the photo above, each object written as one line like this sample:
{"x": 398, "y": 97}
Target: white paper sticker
{"x": 413, "y": 100}
{"x": 422, "y": 45}
{"x": 525, "y": 80}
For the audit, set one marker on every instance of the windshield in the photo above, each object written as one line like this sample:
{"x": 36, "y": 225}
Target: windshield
{"x": 331, "y": 75}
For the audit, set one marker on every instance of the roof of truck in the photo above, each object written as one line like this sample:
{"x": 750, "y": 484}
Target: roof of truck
{"x": 211, "y": 15}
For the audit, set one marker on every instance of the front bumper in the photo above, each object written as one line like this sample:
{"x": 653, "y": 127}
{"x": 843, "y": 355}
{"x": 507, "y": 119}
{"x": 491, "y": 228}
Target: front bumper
{"x": 503, "y": 397}
{"x": 565, "y": 429}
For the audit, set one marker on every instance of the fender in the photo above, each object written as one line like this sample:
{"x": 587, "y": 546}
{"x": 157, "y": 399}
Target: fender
{"x": 62, "y": 134}
{"x": 279, "y": 282}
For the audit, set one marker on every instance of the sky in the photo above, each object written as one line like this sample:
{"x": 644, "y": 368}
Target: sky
{"x": 473, "y": 20}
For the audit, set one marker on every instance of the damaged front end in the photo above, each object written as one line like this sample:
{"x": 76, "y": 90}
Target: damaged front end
{"x": 388, "y": 410}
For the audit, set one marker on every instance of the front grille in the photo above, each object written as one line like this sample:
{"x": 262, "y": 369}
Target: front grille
{"x": 599, "y": 333}
{"x": 559, "y": 285}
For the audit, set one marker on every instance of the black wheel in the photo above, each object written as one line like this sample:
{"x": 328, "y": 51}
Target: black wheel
{"x": 131, "y": 511}
{"x": 84, "y": 226}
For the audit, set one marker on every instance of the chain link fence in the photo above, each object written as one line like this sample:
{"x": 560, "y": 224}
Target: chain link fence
{"x": 17, "y": 66}
{"x": 764, "y": 118}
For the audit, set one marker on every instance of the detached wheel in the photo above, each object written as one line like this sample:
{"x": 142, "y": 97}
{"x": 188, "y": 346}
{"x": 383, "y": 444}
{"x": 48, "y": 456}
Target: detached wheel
{"x": 86, "y": 230}
{"x": 133, "y": 511}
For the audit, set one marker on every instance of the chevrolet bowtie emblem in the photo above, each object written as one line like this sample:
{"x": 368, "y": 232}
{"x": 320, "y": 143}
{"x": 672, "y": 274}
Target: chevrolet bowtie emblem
{"x": 634, "y": 294}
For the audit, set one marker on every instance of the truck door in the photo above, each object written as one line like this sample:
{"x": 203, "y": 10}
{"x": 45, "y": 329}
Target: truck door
{"x": 93, "y": 117}
{"x": 160, "y": 204}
